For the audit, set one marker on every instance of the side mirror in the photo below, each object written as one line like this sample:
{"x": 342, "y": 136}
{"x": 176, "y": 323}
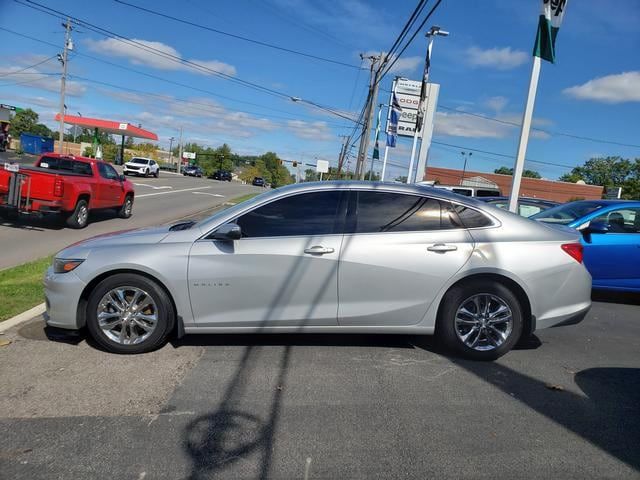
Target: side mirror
{"x": 228, "y": 232}
{"x": 122, "y": 178}
{"x": 594, "y": 227}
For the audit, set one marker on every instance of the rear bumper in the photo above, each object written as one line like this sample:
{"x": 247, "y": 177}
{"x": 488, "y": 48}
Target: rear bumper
{"x": 574, "y": 319}
{"x": 570, "y": 318}
{"x": 36, "y": 205}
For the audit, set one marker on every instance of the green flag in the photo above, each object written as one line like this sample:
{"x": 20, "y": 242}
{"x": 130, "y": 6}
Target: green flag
{"x": 548, "y": 26}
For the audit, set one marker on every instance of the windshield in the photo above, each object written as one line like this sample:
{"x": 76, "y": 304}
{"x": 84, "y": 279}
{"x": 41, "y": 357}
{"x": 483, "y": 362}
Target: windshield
{"x": 142, "y": 161}
{"x": 565, "y": 214}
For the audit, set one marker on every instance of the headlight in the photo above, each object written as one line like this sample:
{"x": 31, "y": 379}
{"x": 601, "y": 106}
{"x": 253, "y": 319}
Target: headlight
{"x": 64, "y": 265}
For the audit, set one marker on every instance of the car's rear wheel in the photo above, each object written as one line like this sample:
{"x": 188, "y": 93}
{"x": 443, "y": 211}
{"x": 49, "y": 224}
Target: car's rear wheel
{"x": 480, "y": 320}
{"x": 79, "y": 218}
{"x": 129, "y": 313}
{"x": 157, "y": 174}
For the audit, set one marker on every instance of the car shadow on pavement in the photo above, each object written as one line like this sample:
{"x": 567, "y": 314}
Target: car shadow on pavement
{"x": 608, "y": 415}
{"x": 41, "y": 223}
{"x": 629, "y": 298}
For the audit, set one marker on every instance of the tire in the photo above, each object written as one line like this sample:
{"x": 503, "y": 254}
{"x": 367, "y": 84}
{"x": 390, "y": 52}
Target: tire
{"x": 125, "y": 173}
{"x": 109, "y": 336}
{"x": 157, "y": 174}
{"x": 126, "y": 210}
{"x": 489, "y": 344}
{"x": 145, "y": 174}
{"x": 79, "y": 218}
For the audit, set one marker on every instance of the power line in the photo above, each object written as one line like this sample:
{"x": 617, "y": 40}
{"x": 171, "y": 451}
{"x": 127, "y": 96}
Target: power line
{"x": 155, "y": 51}
{"x": 233, "y": 35}
{"x": 502, "y": 154}
{"x": 390, "y": 66}
{"x": 156, "y": 77}
{"x": 29, "y": 67}
{"x": 403, "y": 33}
{"x": 550, "y": 132}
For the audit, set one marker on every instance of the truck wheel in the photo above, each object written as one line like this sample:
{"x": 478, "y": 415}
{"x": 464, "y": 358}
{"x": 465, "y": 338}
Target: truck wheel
{"x": 80, "y": 216}
{"x": 126, "y": 209}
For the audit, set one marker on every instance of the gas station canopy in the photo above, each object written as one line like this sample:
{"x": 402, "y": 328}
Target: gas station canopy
{"x": 109, "y": 126}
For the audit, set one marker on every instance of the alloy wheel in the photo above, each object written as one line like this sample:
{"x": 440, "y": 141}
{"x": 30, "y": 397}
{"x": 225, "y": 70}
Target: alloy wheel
{"x": 483, "y": 322}
{"x": 127, "y": 315}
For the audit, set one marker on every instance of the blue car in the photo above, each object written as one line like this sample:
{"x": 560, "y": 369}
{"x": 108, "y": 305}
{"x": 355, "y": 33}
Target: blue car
{"x": 610, "y": 236}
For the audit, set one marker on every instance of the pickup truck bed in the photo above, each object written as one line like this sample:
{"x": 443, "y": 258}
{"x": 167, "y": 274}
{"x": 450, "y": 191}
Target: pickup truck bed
{"x": 70, "y": 186}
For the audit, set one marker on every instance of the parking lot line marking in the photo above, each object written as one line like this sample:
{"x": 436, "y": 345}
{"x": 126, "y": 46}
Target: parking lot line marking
{"x": 205, "y": 193}
{"x": 171, "y": 191}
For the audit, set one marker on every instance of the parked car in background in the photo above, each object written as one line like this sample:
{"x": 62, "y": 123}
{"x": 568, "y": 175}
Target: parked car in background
{"x": 330, "y": 257}
{"x": 464, "y": 190}
{"x": 610, "y": 236}
{"x": 258, "y": 182}
{"x": 526, "y": 206}
{"x": 222, "y": 175}
{"x": 68, "y": 186}
{"x": 141, "y": 166}
{"x": 192, "y": 171}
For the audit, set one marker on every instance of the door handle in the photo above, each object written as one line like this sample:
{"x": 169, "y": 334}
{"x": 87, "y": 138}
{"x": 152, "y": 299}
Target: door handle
{"x": 318, "y": 250}
{"x": 442, "y": 248}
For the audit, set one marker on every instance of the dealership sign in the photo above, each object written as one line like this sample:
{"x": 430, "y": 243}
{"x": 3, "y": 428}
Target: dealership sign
{"x": 189, "y": 155}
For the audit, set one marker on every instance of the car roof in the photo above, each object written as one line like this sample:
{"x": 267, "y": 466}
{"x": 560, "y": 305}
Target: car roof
{"x": 526, "y": 199}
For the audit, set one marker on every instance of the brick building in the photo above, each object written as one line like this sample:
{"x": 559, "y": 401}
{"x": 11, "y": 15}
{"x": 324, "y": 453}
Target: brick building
{"x": 530, "y": 187}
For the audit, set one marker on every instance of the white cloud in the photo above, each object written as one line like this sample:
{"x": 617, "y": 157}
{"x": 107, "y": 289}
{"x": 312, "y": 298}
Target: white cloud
{"x": 619, "y": 88}
{"x": 152, "y": 56}
{"x": 33, "y": 78}
{"x": 499, "y": 58}
{"x": 463, "y": 125}
{"x": 310, "y": 130}
{"x": 21, "y": 100}
{"x": 496, "y": 103}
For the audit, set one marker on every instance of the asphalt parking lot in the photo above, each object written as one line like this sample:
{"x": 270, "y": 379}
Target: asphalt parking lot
{"x": 158, "y": 200}
{"x": 565, "y": 405}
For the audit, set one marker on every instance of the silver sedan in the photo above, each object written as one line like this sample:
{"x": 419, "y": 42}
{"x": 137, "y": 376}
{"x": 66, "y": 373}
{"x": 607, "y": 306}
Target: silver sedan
{"x": 341, "y": 257}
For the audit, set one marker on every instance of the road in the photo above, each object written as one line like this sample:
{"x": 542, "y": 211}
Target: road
{"x": 158, "y": 200}
{"x": 566, "y": 405}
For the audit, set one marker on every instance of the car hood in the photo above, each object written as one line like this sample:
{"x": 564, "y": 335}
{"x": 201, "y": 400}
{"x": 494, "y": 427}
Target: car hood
{"x": 138, "y": 236}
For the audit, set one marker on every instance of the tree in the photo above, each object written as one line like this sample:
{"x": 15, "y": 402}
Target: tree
{"x": 609, "y": 172}
{"x": 23, "y": 121}
{"x": 509, "y": 171}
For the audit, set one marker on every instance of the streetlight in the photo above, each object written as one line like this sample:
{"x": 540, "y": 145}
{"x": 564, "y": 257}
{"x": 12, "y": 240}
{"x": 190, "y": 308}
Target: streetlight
{"x": 431, "y": 34}
{"x": 171, "y": 140}
{"x": 75, "y": 129}
{"x": 466, "y": 156}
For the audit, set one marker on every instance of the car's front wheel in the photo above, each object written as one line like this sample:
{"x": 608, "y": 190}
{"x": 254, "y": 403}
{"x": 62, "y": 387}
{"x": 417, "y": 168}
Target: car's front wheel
{"x": 480, "y": 320}
{"x": 129, "y": 313}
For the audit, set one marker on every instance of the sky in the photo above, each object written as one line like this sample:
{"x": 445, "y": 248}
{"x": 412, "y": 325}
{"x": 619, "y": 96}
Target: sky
{"x": 483, "y": 67}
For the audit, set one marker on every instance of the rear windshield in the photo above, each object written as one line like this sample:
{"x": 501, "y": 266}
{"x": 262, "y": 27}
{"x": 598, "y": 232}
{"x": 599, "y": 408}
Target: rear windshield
{"x": 142, "y": 161}
{"x": 66, "y": 165}
{"x": 567, "y": 213}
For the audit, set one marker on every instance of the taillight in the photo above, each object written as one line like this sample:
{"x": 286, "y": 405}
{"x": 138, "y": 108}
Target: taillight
{"x": 575, "y": 250}
{"x": 58, "y": 187}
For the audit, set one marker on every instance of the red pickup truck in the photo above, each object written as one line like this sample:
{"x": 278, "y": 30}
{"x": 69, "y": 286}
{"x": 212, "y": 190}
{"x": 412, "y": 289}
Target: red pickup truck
{"x": 66, "y": 185}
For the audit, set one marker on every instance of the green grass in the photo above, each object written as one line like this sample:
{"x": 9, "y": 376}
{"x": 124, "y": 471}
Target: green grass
{"x": 243, "y": 198}
{"x": 21, "y": 287}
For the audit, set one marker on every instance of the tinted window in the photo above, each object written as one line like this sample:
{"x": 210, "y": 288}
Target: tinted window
{"x": 623, "y": 220}
{"x": 468, "y": 217}
{"x": 394, "y": 212}
{"x": 462, "y": 191}
{"x": 567, "y": 213}
{"x": 299, "y": 215}
{"x": 487, "y": 193}
{"x": 142, "y": 161}
{"x": 66, "y": 164}
{"x": 107, "y": 171}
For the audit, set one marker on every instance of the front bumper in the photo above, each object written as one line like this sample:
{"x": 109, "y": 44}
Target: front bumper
{"x": 137, "y": 171}
{"x": 62, "y": 296}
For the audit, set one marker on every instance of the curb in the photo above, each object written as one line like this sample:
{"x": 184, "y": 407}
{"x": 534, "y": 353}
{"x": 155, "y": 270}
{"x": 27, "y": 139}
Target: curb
{"x": 22, "y": 317}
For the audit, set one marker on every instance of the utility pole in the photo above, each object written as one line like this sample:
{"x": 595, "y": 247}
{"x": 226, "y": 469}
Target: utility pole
{"x": 368, "y": 117}
{"x": 343, "y": 152}
{"x": 63, "y": 80}
{"x": 171, "y": 140}
{"x": 180, "y": 153}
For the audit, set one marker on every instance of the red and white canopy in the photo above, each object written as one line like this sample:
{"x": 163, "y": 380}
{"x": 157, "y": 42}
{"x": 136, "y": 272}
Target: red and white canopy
{"x": 109, "y": 126}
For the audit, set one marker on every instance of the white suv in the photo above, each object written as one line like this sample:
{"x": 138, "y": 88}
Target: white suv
{"x": 141, "y": 166}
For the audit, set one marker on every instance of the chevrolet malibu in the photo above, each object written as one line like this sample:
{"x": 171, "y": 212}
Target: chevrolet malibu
{"x": 339, "y": 257}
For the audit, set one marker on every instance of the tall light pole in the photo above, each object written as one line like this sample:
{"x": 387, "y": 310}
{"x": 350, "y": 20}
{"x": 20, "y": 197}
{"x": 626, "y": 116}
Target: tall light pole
{"x": 171, "y": 140}
{"x": 431, "y": 34}
{"x": 68, "y": 45}
{"x": 368, "y": 117}
{"x": 75, "y": 130}
{"x": 466, "y": 156}
{"x": 180, "y": 153}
